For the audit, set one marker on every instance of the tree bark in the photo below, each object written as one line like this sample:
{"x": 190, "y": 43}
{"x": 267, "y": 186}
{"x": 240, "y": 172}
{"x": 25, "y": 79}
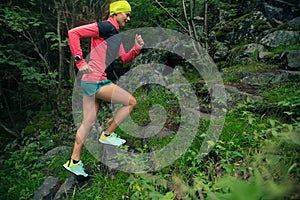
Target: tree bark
{"x": 60, "y": 53}
{"x": 192, "y": 8}
{"x": 205, "y": 21}
{"x": 190, "y": 31}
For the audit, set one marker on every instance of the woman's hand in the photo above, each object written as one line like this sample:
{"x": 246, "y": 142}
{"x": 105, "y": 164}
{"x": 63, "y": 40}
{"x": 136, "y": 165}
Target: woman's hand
{"x": 86, "y": 68}
{"x": 139, "y": 40}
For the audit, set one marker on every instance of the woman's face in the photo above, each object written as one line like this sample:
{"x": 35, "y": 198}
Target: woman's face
{"x": 122, "y": 18}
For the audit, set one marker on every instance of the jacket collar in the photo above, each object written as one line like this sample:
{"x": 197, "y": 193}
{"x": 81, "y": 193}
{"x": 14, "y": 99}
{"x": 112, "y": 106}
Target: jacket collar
{"x": 113, "y": 22}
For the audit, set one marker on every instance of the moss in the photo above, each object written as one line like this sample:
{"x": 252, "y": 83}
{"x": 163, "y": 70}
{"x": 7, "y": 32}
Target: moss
{"x": 43, "y": 120}
{"x": 222, "y": 65}
{"x": 232, "y": 78}
{"x": 220, "y": 34}
{"x": 242, "y": 18}
{"x": 281, "y": 49}
{"x": 29, "y": 129}
{"x": 282, "y": 27}
{"x": 261, "y": 25}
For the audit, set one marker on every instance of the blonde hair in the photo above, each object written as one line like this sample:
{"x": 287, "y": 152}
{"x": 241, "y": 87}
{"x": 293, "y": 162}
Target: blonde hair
{"x": 106, "y": 13}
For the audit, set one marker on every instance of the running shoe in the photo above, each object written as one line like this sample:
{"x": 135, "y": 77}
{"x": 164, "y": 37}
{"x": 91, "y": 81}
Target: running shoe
{"x": 113, "y": 139}
{"x": 76, "y": 169}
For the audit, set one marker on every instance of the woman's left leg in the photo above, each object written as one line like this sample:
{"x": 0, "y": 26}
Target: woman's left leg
{"x": 90, "y": 111}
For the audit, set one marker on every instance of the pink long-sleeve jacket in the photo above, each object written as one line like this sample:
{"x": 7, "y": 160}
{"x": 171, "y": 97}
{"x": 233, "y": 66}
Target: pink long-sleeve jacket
{"x": 106, "y": 46}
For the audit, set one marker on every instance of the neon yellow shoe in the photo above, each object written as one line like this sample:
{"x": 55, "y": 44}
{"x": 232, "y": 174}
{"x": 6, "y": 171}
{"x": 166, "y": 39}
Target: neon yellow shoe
{"x": 76, "y": 169}
{"x": 113, "y": 139}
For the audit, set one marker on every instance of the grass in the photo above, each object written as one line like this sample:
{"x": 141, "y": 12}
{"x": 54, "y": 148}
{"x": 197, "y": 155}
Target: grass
{"x": 232, "y": 157}
{"x": 277, "y": 93}
{"x": 255, "y": 67}
{"x": 102, "y": 188}
{"x": 285, "y": 48}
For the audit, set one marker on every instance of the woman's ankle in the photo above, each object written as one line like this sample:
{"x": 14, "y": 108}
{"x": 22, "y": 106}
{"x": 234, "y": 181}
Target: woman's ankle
{"x": 106, "y": 133}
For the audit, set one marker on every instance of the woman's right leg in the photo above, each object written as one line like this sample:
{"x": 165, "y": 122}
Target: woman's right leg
{"x": 115, "y": 94}
{"x": 90, "y": 111}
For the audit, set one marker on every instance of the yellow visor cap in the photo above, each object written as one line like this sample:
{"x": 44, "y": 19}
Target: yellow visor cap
{"x": 118, "y": 7}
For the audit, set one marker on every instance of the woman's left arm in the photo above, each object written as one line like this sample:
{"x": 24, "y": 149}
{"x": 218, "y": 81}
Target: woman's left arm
{"x": 130, "y": 55}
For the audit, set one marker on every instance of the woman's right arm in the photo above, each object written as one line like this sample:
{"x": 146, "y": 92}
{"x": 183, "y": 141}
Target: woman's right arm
{"x": 85, "y": 31}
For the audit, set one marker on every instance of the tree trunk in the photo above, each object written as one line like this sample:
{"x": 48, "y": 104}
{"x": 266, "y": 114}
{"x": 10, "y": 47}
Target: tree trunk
{"x": 205, "y": 21}
{"x": 60, "y": 55}
{"x": 72, "y": 73}
{"x": 187, "y": 19}
{"x": 192, "y": 8}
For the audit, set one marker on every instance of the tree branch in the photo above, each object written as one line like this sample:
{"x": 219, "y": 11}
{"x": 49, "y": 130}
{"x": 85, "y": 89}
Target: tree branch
{"x": 9, "y": 130}
{"x": 196, "y": 43}
{"x": 171, "y": 15}
{"x": 186, "y": 19}
{"x": 36, "y": 49}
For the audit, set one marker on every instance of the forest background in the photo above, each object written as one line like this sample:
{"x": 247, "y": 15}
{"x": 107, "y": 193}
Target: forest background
{"x": 256, "y": 156}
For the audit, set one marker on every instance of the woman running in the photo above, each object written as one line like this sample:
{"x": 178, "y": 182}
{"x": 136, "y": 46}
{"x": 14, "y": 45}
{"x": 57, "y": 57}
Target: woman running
{"x": 105, "y": 47}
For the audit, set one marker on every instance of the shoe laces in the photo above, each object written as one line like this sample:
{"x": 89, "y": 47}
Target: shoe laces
{"x": 116, "y": 135}
{"x": 80, "y": 163}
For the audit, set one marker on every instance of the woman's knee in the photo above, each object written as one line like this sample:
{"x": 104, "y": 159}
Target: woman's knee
{"x": 132, "y": 101}
{"x": 89, "y": 123}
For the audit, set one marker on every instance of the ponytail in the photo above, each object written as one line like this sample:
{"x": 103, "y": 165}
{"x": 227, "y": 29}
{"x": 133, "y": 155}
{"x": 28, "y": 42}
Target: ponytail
{"x": 106, "y": 13}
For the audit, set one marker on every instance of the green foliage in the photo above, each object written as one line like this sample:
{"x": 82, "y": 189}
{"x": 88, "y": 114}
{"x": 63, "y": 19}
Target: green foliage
{"x": 53, "y": 37}
{"x": 261, "y": 25}
{"x": 34, "y": 77}
{"x": 291, "y": 107}
{"x": 103, "y": 187}
{"x": 272, "y": 170}
{"x": 31, "y": 75}
{"x": 256, "y": 154}
{"x": 284, "y": 100}
{"x": 154, "y": 15}
{"x": 25, "y": 80}
{"x": 19, "y": 19}
{"x": 148, "y": 187}
{"x": 42, "y": 121}
{"x": 281, "y": 49}
{"x": 16, "y": 181}
{"x": 255, "y": 67}
{"x": 254, "y": 188}
{"x": 152, "y": 95}
{"x": 214, "y": 5}
{"x": 232, "y": 78}
{"x": 12, "y": 57}
{"x": 252, "y": 155}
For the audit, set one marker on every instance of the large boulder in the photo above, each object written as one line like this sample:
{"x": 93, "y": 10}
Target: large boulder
{"x": 278, "y": 11}
{"x": 261, "y": 79}
{"x": 246, "y": 54}
{"x": 67, "y": 187}
{"x": 291, "y": 59}
{"x": 246, "y": 28}
{"x": 280, "y": 38}
{"x": 235, "y": 95}
{"x": 220, "y": 51}
{"x": 294, "y": 24}
{"x": 267, "y": 78}
{"x": 60, "y": 150}
{"x": 48, "y": 189}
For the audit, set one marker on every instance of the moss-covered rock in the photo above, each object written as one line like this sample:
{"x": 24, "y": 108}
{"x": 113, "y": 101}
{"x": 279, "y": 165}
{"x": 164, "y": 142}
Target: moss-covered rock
{"x": 247, "y": 28}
